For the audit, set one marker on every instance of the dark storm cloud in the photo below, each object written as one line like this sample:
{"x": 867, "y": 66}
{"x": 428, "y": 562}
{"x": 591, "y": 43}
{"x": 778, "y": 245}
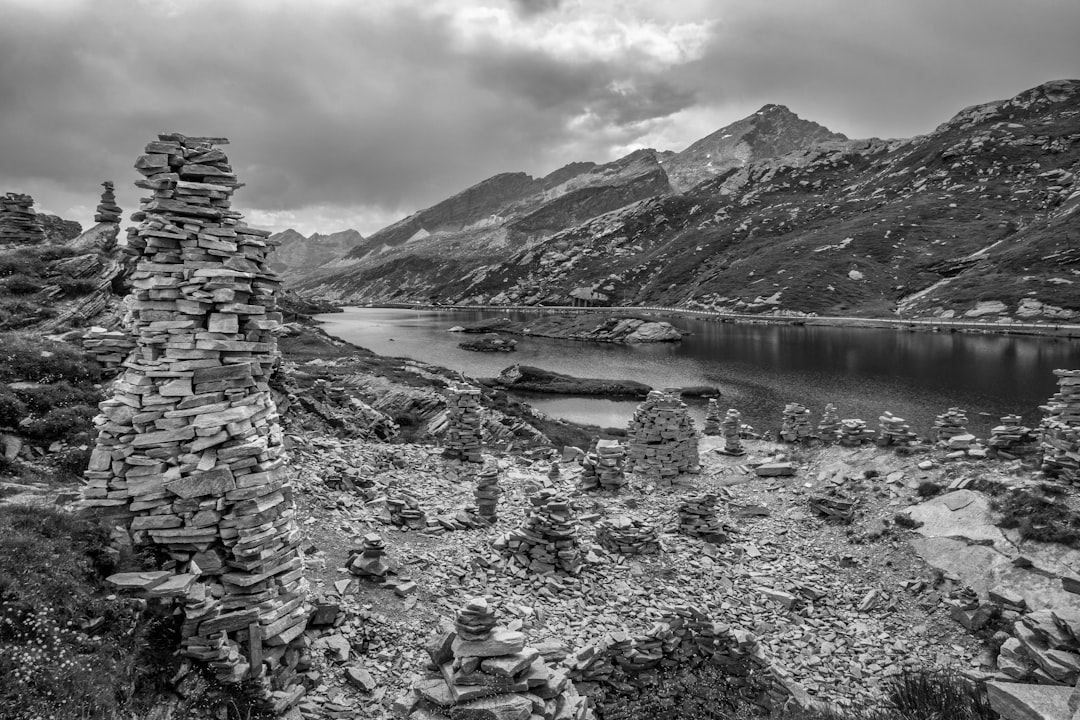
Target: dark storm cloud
{"x": 534, "y": 7}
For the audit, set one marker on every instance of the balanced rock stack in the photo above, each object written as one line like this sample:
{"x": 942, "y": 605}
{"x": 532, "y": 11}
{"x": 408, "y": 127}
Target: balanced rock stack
{"x": 829, "y": 427}
{"x": 712, "y": 418}
{"x": 548, "y": 541}
{"x": 553, "y": 471}
{"x": 604, "y": 469}
{"x": 731, "y": 428}
{"x": 1011, "y": 438}
{"x": 369, "y": 562}
{"x": 796, "y": 426}
{"x": 484, "y": 671}
{"x": 405, "y": 511}
{"x": 663, "y": 441}
{"x": 487, "y": 493}
{"x": 895, "y": 430}
{"x": 189, "y": 451}
{"x": 19, "y": 224}
{"x": 854, "y": 432}
{"x": 1061, "y": 429}
{"x": 628, "y": 536}
{"x": 107, "y": 210}
{"x": 952, "y": 424}
{"x": 697, "y": 518}
{"x": 463, "y": 437}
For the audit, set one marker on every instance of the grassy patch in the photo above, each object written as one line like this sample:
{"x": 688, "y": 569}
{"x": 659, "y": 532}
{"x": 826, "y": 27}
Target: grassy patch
{"x": 917, "y": 696}
{"x": 929, "y": 488}
{"x": 1037, "y": 518}
{"x": 33, "y": 359}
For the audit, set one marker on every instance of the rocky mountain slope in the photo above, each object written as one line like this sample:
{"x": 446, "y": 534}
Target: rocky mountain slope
{"x": 977, "y": 218}
{"x": 297, "y": 254}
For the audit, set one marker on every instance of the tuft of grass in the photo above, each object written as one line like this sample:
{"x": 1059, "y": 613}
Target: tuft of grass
{"x": 929, "y": 488}
{"x": 1037, "y": 518}
{"x": 34, "y": 359}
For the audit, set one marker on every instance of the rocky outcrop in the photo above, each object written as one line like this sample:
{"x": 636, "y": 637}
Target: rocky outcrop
{"x": 527, "y": 378}
{"x": 297, "y": 255}
{"x": 19, "y": 224}
{"x": 589, "y": 327}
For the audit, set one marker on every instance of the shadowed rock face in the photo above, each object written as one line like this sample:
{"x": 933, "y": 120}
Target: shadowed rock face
{"x": 296, "y": 255}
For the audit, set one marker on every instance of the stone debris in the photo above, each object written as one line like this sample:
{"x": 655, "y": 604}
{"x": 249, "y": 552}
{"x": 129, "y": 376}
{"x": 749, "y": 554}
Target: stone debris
{"x": 697, "y": 518}
{"x": 712, "y": 418}
{"x": 464, "y": 437}
{"x": 853, "y": 432}
{"x": 487, "y": 494}
{"x": 663, "y": 441}
{"x": 948, "y": 425}
{"x": 19, "y": 224}
{"x": 404, "y": 511}
{"x": 189, "y": 453}
{"x": 796, "y": 426}
{"x": 895, "y": 431}
{"x": 1061, "y": 429}
{"x": 548, "y": 541}
{"x": 628, "y": 536}
{"x": 1044, "y": 648}
{"x": 481, "y": 670}
{"x": 829, "y": 429}
{"x": 107, "y": 210}
{"x": 369, "y": 562}
{"x": 731, "y": 427}
{"x": 833, "y": 505}
{"x": 603, "y": 468}
{"x": 1011, "y": 439}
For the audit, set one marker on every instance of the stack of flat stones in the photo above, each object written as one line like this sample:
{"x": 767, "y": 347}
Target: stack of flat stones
{"x": 548, "y": 541}
{"x": 731, "y": 427}
{"x": 697, "y": 518}
{"x": 189, "y": 452}
{"x": 829, "y": 427}
{"x": 405, "y": 511}
{"x": 603, "y": 469}
{"x": 796, "y": 426}
{"x": 1011, "y": 439}
{"x": 949, "y": 424}
{"x": 894, "y": 430}
{"x": 628, "y": 536}
{"x": 853, "y": 432}
{"x": 369, "y": 563}
{"x": 712, "y": 418}
{"x": 487, "y": 494}
{"x": 481, "y": 670}
{"x": 1061, "y": 429}
{"x": 663, "y": 441}
{"x": 108, "y": 347}
{"x": 19, "y": 224}
{"x": 553, "y": 471}
{"x": 107, "y": 210}
{"x": 464, "y": 434}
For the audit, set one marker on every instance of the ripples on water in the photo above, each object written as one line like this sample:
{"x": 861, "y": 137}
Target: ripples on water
{"x": 758, "y": 368}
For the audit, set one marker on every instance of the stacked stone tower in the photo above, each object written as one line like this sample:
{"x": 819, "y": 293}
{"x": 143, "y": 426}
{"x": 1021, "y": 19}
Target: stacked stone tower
{"x": 19, "y": 224}
{"x": 107, "y": 210}
{"x": 464, "y": 438}
{"x": 1061, "y": 429}
{"x": 189, "y": 452}
{"x": 663, "y": 441}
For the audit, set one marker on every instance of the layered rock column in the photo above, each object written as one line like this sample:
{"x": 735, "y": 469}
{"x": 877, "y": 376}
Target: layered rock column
{"x": 1061, "y": 429}
{"x": 731, "y": 428}
{"x": 796, "y": 425}
{"x": 19, "y": 224}
{"x": 464, "y": 438}
{"x": 189, "y": 450}
{"x": 829, "y": 427}
{"x": 712, "y": 418}
{"x": 107, "y": 210}
{"x": 663, "y": 441}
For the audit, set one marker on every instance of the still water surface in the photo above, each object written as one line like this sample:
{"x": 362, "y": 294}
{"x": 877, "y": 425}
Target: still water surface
{"x": 758, "y": 368}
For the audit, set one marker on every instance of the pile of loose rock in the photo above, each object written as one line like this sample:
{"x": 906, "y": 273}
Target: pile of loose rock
{"x": 628, "y": 536}
{"x": 895, "y": 431}
{"x": 19, "y": 224}
{"x": 829, "y": 429}
{"x": 731, "y": 428}
{"x": 712, "y": 418}
{"x": 603, "y": 468}
{"x": 190, "y": 453}
{"x": 1011, "y": 439}
{"x": 107, "y": 210}
{"x": 548, "y": 541}
{"x": 796, "y": 426}
{"x": 487, "y": 494}
{"x": 1061, "y": 429}
{"x": 697, "y": 518}
{"x": 853, "y": 432}
{"x": 405, "y": 511}
{"x": 833, "y": 505}
{"x": 663, "y": 441}
{"x": 464, "y": 434}
{"x": 1044, "y": 648}
{"x": 481, "y": 670}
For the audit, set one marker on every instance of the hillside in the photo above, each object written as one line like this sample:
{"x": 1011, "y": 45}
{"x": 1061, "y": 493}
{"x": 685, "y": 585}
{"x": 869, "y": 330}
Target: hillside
{"x": 297, "y": 254}
{"x": 977, "y": 218}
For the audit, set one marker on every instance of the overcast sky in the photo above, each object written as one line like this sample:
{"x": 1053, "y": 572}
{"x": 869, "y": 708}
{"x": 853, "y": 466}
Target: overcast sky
{"x": 354, "y": 113}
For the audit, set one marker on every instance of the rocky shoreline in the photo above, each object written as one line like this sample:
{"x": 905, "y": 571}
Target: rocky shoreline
{"x": 607, "y": 328}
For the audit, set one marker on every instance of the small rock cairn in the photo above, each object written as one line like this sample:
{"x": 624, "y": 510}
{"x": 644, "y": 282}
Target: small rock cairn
{"x": 1011, "y": 438}
{"x": 628, "y": 536}
{"x": 853, "y": 432}
{"x": 663, "y": 441}
{"x": 369, "y": 563}
{"x": 553, "y": 471}
{"x": 487, "y": 494}
{"x": 405, "y": 511}
{"x": 603, "y": 469}
{"x": 1061, "y": 429}
{"x": 19, "y": 224}
{"x": 731, "y": 427}
{"x": 548, "y": 541}
{"x": 107, "y": 210}
{"x": 481, "y": 670}
{"x": 829, "y": 429}
{"x": 189, "y": 453}
{"x": 712, "y": 418}
{"x": 697, "y": 518}
{"x": 895, "y": 431}
{"x": 949, "y": 424}
{"x": 464, "y": 436}
{"x": 796, "y": 426}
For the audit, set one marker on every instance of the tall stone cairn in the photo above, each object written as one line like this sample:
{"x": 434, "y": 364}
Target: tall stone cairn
{"x": 548, "y": 541}
{"x": 697, "y": 518}
{"x": 107, "y": 210}
{"x": 712, "y": 418}
{"x": 1012, "y": 438}
{"x": 829, "y": 427}
{"x": 487, "y": 494}
{"x": 603, "y": 468}
{"x": 796, "y": 426}
{"x": 481, "y": 670}
{"x": 949, "y": 424}
{"x": 1061, "y": 429}
{"x": 464, "y": 437}
{"x": 663, "y": 440}
{"x": 731, "y": 427}
{"x": 189, "y": 452}
{"x": 19, "y": 224}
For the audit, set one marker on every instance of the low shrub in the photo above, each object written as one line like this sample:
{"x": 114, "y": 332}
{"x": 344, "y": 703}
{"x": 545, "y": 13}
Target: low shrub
{"x": 61, "y": 394}
{"x": 929, "y": 488}
{"x": 20, "y": 285}
{"x": 71, "y": 462}
{"x": 25, "y": 357}
{"x": 77, "y": 287}
{"x": 1037, "y": 518}
{"x": 12, "y": 409}
{"x": 61, "y": 423}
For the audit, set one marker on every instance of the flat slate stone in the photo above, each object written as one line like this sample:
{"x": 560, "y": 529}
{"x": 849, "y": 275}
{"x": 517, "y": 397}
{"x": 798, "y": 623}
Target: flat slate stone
{"x": 139, "y": 580}
{"x": 1021, "y": 701}
{"x": 501, "y": 642}
{"x": 500, "y": 707}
